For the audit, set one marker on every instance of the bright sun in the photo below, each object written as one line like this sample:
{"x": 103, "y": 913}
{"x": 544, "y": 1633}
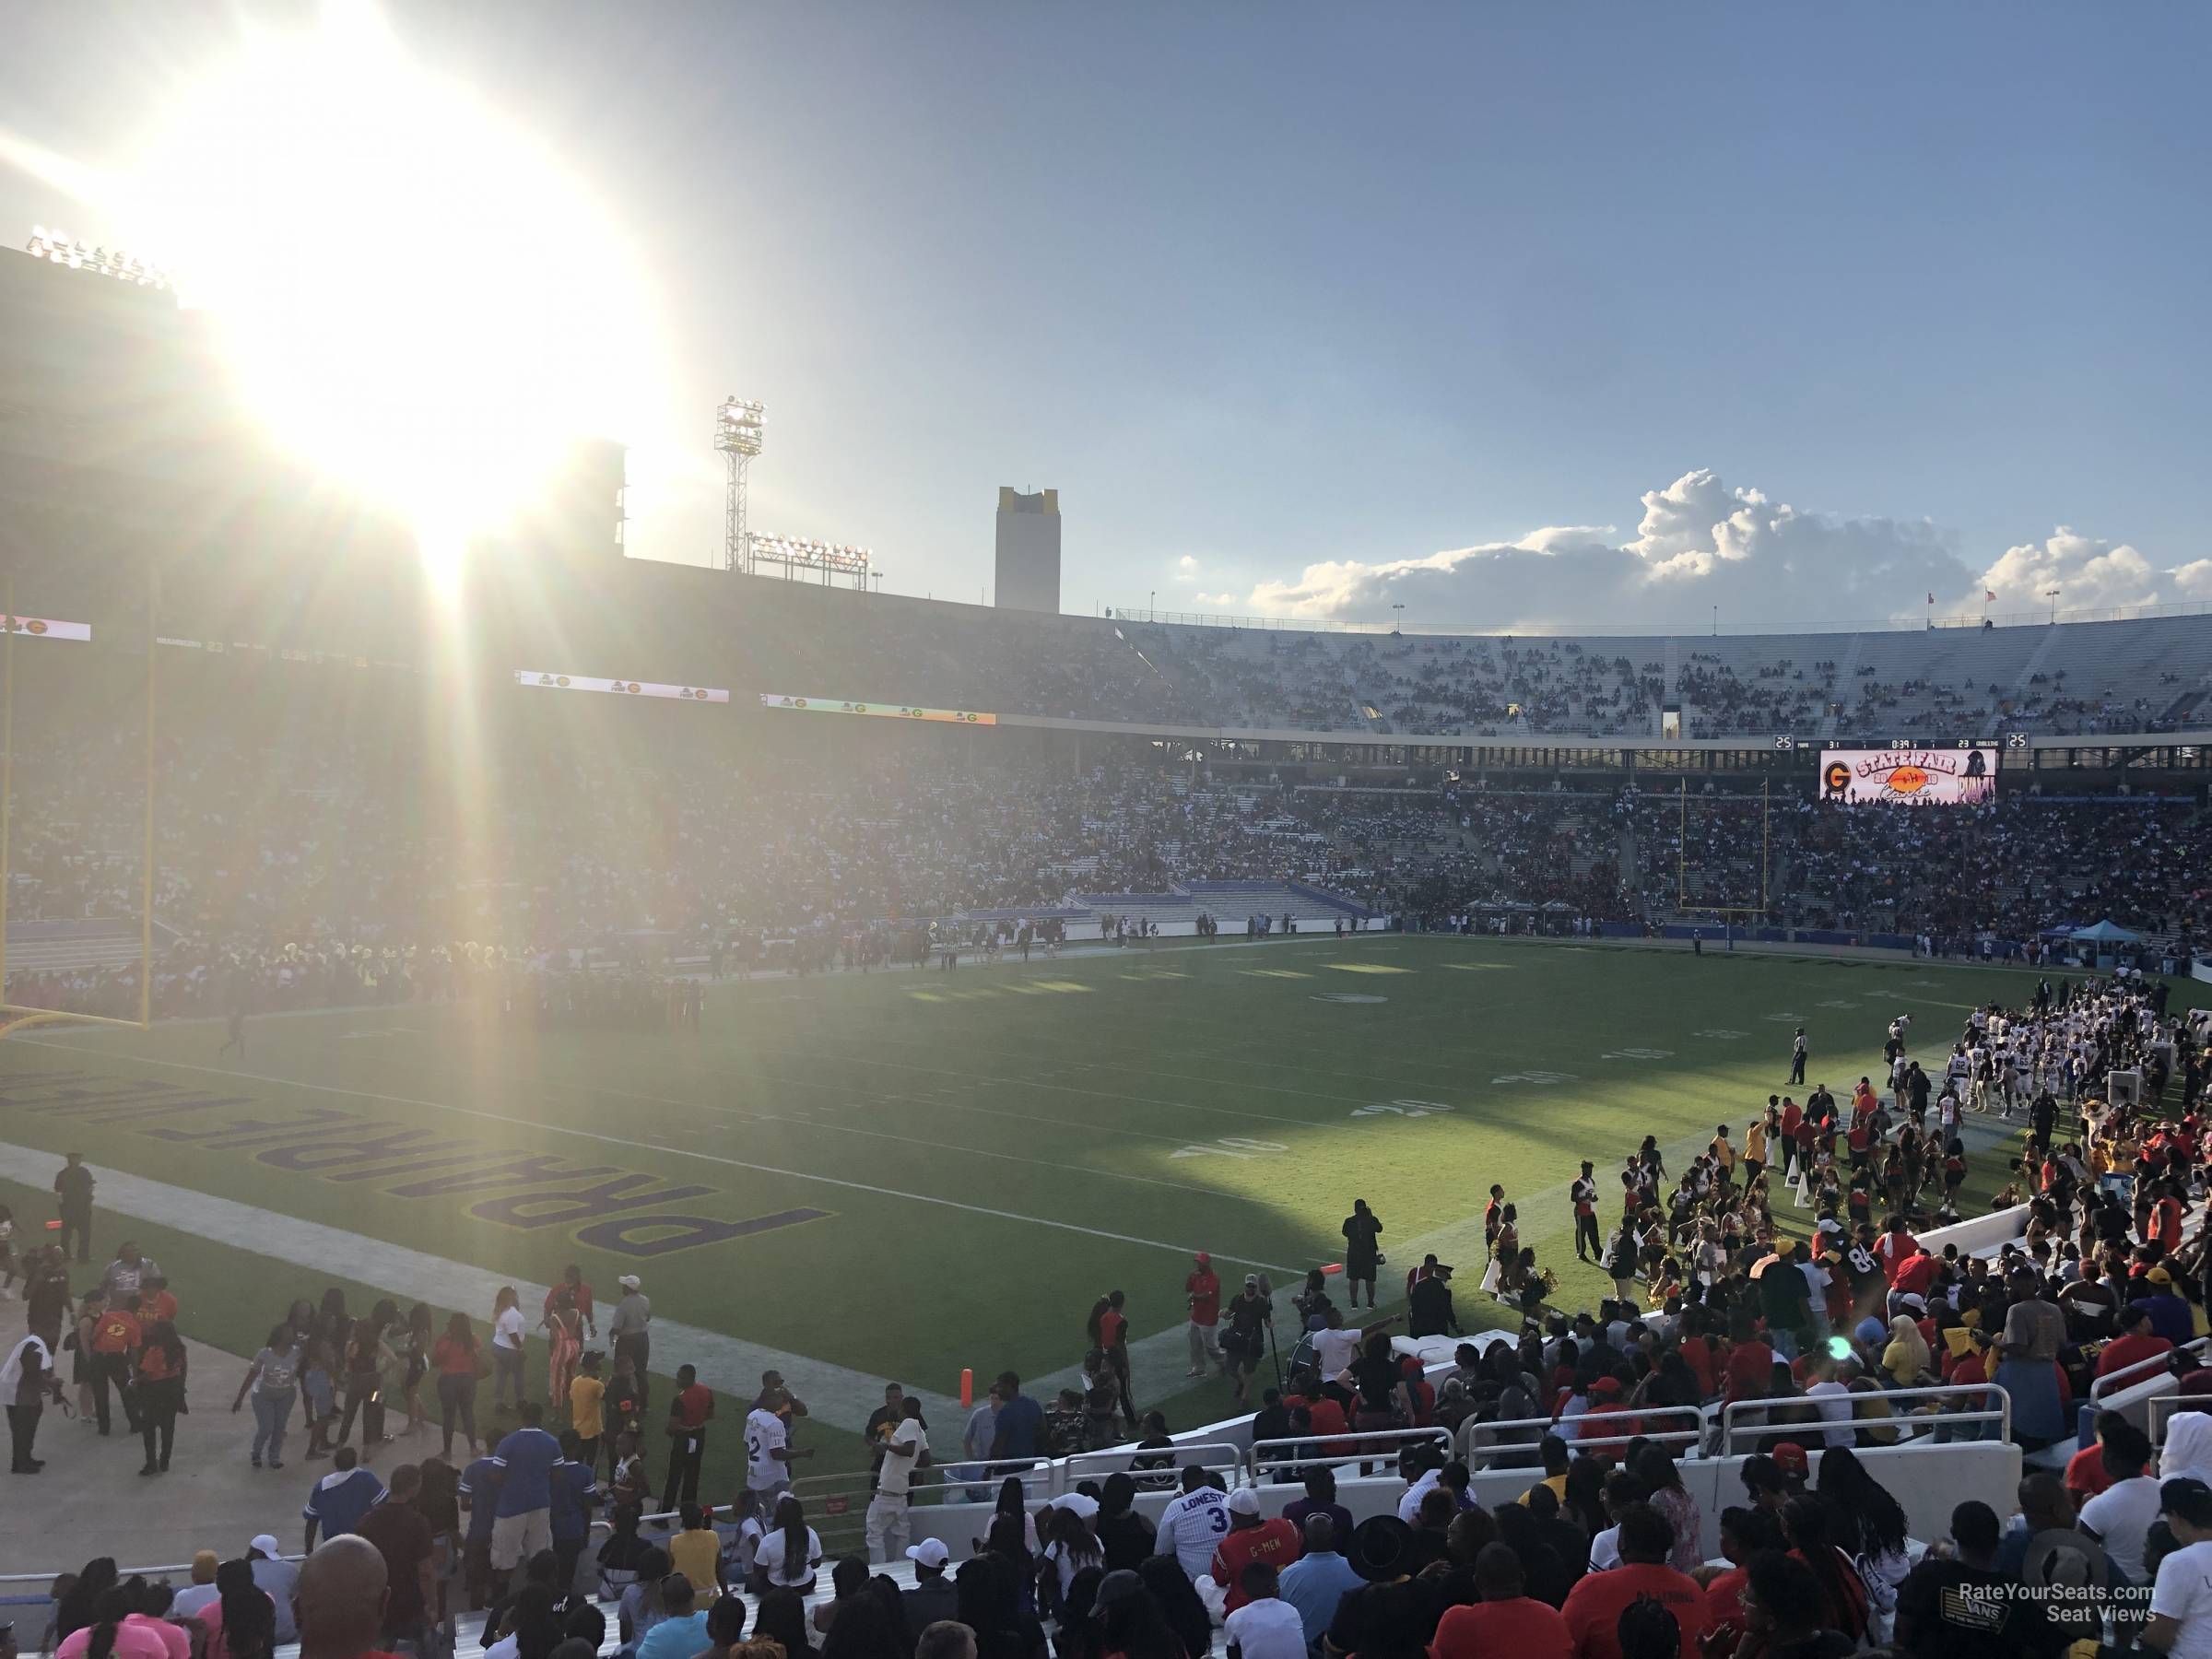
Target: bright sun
{"x": 415, "y": 298}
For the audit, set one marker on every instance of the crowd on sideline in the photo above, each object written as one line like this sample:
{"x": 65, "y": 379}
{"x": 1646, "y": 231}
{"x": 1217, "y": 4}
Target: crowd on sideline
{"x": 1818, "y": 1343}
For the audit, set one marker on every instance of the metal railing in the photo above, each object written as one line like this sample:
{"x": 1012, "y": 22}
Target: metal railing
{"x": 1336, "y": 1450}
{"x": 2143, "y": 1371}
{"x": 1911, "y": 1426}
{"x": 1079, "y": 1466}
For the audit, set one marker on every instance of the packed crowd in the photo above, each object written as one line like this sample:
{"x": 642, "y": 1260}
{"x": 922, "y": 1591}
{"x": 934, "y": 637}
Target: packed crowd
{"x": 292, "y": 879}
{"x": 1850, "y": 1338}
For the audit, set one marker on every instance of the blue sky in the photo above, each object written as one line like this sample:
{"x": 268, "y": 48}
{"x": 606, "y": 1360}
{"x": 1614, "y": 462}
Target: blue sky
{"x": 1274, "y": 287}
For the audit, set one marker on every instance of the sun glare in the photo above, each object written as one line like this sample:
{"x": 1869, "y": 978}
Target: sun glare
{"x": 415, "y": 299}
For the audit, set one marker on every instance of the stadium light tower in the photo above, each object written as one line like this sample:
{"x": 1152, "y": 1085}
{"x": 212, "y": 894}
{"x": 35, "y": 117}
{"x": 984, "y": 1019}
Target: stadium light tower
{"x": 738, "y": 428}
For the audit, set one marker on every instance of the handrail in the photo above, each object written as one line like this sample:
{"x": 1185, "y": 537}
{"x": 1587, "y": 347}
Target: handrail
{"x": 1066, "y": 1475}
{"x": 1907, "y": 1424}
{"x": 2161, "y": 1409}
{"x": 2142, "y": 1371}
{"x": 1368, "y": 1447}
{"x": 1700, "y": 1417}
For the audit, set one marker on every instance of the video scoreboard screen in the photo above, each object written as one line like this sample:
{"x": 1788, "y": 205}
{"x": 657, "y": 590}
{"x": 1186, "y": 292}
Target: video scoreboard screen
{"x": 1956, "y": 772}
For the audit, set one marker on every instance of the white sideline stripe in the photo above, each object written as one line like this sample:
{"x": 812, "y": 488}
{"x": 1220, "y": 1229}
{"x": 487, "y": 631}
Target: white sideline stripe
{"x": 731, "y": 1365}
{"x": 616, "y": 1140}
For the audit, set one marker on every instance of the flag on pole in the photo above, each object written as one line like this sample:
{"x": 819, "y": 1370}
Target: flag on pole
{"x": 1989, "y": 595}
{"x": 1931, "y": 598}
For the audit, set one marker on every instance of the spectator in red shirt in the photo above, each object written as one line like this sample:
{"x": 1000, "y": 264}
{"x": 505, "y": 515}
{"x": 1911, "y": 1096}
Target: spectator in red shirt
{"x": 1895, "y": 1248}
{"x": 156, "y": 1303}
{"x": 116, "y": 1336}
{"x": 2133, "y": 1344}
{"x": 1743, "y": 1534}
{"x": 1251, "y": 1538}
{"x": 1596, "y": 1604}
{"x": 1751, "y": 1369}
{"x": 2086, "y": 1473}
{"x": 1505, "y": 1620}
{"x": 1202, "y": 1291}
{"x": 2166, "y": 1219}
{"x": 571, "y": 1280}
{"x": 1915, "y": 1274}
{"x": 688, "y": 1417}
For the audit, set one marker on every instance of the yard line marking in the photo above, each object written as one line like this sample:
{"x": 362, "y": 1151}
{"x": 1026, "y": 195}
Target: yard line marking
{"x": 744, "y": 1116}
{"x": 1100, "y": 1094}
{"x": 833, "y": 1393}
{"x": 735, "y": 1163}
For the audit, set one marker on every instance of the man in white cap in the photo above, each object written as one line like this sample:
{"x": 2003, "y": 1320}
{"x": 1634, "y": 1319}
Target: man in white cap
{"x": 628, "y": 1330}
{"x": 934, "y": 1596}
{"x": 275, "y": 1578}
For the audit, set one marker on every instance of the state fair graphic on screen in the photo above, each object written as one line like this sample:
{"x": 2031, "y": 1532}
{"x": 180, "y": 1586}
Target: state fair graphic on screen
{"x": 1966, "y": 776}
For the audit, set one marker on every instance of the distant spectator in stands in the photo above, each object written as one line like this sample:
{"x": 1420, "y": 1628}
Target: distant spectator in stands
{"x": 2133, "y": 1344}
{"x": 1785, "y": 1612}
{"x": 277, "y": 1579}
{"x": 402, "y": 1536}
{"x": 1263, "y": 1626}
{"x": 341, "y": 1600}
{"x": 242, "y": 1621}
{"x": 2121, "y": 1517}
{"x": 1505, "y": 1621}
{"x": 2181, "y": 1597}
{"x": 1595, "y": 1606}
{"x": 682, "y": 1632}
{"x": 1318, "y": 1580}
{"x": 337, "y": 1501}
{"x": 935, "y": 1597}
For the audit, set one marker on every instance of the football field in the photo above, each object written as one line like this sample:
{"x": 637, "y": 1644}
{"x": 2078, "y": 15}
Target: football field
{"x": 909, "y": 1174}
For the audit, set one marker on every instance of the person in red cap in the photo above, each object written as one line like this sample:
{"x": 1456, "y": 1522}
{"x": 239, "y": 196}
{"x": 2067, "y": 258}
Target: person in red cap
{"x": 1789, "y": 1457}
{"x": 1201, "y": 1290}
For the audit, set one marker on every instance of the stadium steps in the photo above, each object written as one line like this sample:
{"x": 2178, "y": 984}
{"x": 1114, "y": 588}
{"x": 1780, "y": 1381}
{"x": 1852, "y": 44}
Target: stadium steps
{"x": 2022, "y": 682}
{"x": 1847, "y": 669}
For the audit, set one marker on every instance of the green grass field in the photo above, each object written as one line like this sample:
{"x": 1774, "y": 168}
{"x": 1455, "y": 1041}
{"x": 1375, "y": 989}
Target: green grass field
{"x": 941, "y": 1171}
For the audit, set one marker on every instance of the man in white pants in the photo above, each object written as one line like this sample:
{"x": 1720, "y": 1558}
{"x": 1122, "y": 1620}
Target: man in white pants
{"x": 891, "y": 1521}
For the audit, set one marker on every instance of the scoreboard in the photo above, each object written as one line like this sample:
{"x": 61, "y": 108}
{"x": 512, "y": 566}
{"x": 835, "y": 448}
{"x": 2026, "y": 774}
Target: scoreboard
{"x": 1952, "y": 772}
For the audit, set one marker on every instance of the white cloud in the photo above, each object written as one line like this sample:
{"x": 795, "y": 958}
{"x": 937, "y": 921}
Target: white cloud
{"x": 1187, "y": 563}
{"x": 1221, "y": 599}
{"x": 1701, "y": 544}
{"x": 2088, "y": 574}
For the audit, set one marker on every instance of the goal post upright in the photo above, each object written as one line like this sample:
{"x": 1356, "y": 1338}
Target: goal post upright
{"x": 8, "y": 768}
{"x": 146, "y": 902}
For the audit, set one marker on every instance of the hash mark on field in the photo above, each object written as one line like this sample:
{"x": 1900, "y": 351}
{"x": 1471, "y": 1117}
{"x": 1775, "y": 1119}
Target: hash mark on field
{"x": 1274, "y": 973}
{"x": 1365, "y": 968}
{"x": 1478, "y": 967}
